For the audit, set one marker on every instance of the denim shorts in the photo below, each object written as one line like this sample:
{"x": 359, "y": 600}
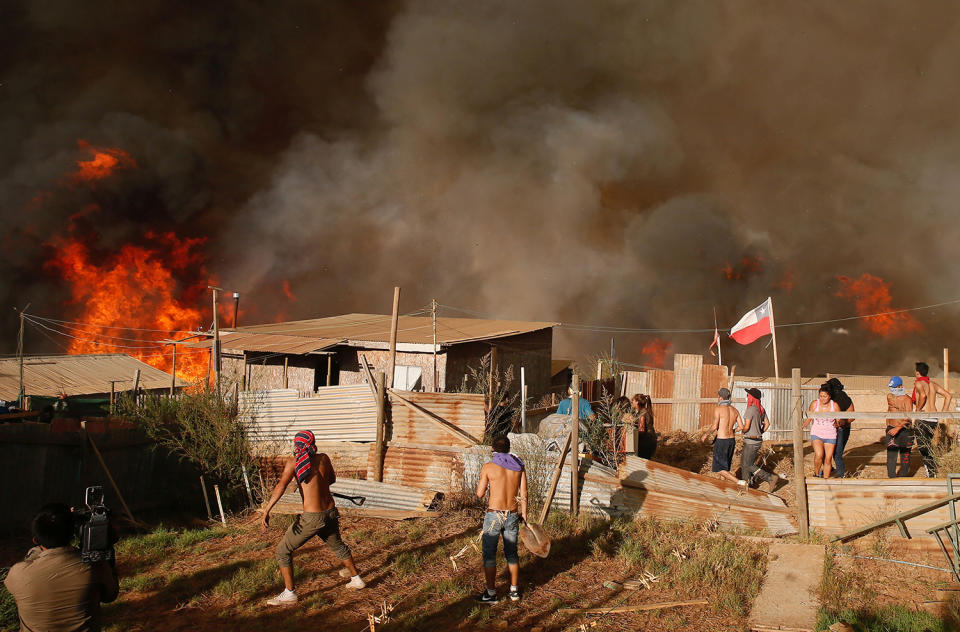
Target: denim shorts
{"x": 814, "y": 437}
{"x": 495, "y": 524}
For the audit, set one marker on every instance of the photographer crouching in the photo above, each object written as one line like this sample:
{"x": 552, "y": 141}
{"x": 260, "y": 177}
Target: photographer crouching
{"x": 58, "y": 588}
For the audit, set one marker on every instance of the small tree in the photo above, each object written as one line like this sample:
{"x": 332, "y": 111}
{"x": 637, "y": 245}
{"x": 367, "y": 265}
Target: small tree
{"x": 503, "y": 414}
{"x": 199, "y": 427}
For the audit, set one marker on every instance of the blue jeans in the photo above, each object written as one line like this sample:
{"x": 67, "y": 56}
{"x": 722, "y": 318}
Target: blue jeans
{"x": 843, "y": 434}
{"x": 494, "y": 524}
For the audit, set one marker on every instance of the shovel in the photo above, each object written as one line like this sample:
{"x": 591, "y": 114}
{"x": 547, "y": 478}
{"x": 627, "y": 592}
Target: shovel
{"x": 535, "y": 538}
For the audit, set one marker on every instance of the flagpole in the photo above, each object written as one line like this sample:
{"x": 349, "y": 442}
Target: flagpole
{"x": 773, "y": 332}
{"x": 719, "y": 350}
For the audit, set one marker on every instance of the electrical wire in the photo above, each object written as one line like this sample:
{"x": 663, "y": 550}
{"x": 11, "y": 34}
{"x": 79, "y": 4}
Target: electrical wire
{"x": 613, "y": 329}
{"x": 73, "y": 322}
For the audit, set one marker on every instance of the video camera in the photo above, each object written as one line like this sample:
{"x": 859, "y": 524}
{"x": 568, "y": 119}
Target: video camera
{"x": 93, "y": 528}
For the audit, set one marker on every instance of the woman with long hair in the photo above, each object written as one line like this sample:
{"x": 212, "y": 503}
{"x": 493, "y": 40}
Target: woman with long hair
{"x": 647, "y": 436}
{"x": 823, "y": 433}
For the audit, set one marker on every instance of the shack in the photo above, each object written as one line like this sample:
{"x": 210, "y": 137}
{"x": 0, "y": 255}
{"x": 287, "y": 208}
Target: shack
{"x": 309, "y": 354}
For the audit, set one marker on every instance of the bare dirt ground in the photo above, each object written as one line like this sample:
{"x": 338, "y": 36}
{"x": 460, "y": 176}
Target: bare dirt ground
{"x": 202, "y": 577}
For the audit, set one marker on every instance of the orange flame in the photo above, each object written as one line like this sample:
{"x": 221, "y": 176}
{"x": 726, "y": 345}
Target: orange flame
{"x": 871, "y": 295}
{"x": 786, "y": 283}
{"x": 655, "y": 352}
{"x": 103, "y": 162}
{"x": 288, "y": 292}
{"x": 747, "y": 267}
{"x": 136, "y": 287}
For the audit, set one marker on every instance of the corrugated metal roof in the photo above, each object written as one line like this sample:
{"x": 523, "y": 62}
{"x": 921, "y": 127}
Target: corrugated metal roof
{"x": 71, "y": 375}
{"x": 410, "y": 329}
{"x": 335, "y": 413}
{"x": 274, "y": 343}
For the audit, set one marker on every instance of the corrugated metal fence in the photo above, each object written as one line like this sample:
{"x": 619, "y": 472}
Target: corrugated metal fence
{"x": 334, "y": 413}
{"x": 38, "y": 466}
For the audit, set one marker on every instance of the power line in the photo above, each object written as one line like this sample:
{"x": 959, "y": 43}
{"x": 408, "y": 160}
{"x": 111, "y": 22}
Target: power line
{"x": 627, "y": 330}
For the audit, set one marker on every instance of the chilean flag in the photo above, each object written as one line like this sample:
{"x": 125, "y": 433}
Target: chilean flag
{"x": 755, "y": 323}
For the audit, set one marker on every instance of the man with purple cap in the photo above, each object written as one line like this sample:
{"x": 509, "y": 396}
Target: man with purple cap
{"x": 506, "y": 478}
{"x": 314, "y": 475}
{"x": 899, "y": 435}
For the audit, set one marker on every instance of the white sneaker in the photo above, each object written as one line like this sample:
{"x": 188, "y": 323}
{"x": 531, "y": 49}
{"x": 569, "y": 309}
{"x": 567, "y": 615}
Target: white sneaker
{"x": 285, "y": 598}
{"x": 344, "y": 573}
{"x": 356, "y": 582}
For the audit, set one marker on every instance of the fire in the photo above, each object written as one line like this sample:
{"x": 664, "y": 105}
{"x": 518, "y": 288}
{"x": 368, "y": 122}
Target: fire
{"x": 136, "y": 287}
{"x": 747, "y": 267}
{"x": 288, "y": 292}
{"x": 655, "y": 352}
{"x": 786, "y": 283}
{"x": 102, "y": 164}
{"x": 871, "y": 295}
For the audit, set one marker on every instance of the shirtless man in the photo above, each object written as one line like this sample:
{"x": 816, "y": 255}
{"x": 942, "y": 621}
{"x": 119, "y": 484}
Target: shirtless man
{"x": 507, "y": 480}
{"x": 725, "y": 419}
{"x": 314, "y": 474}
{"x": 899, "y": 436}
{"x": 925, "y": 399}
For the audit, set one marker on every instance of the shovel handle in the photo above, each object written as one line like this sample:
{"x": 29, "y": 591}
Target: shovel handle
{"x": 356, "y": 500}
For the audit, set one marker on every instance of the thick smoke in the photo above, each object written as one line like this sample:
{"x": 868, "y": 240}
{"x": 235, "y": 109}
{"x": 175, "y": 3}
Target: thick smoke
{"x": 601, "y": 163}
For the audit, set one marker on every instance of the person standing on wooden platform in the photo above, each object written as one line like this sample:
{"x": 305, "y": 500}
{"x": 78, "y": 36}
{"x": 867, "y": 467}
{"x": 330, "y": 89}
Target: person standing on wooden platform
{"x": 925, "y": 399}
{"x": 823, "y": 433}
{"x": 725, "y": 419}
{"x": 755, "y": 423}
{"x": 843, "y": 401}
{"x": 899, "y": 435}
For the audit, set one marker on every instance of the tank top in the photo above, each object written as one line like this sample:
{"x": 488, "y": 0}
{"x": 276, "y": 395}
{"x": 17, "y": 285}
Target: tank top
{"x": 824, "y": 428}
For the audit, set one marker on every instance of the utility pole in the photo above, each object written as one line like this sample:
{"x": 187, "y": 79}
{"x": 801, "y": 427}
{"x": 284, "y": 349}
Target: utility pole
{"x": 393, "y": 336}
{"x": 20, "y": 394}
{"x": 215, "y": 351}
{"x": 173, "y": 381}
{"x": 236, "y": 308}
{"x": 433, "y": 309}
{"x": 575, "y": 447}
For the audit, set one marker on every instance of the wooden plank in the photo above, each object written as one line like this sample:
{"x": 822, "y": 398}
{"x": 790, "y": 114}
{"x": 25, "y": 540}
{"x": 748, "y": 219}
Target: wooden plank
{"x": 788, "y": 599}
{"x": 900, "y": 517}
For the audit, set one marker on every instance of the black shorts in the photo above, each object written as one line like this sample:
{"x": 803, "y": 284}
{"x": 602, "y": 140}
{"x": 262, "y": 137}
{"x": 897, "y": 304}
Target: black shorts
{"x": 723, "y": 454}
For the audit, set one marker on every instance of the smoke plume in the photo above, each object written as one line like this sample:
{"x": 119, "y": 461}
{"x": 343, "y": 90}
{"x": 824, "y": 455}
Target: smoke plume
{"x": 632, "y": 164}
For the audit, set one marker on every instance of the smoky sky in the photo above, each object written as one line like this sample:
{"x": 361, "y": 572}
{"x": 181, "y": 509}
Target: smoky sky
{"x": 598, "y": 163}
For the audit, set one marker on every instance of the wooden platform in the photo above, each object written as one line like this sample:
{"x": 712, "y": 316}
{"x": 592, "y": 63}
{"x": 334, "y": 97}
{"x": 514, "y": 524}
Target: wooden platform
{"x": 788, "y": 599}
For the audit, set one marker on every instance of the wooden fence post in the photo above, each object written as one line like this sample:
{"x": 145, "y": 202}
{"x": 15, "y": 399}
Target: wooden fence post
{"x": 575, "y": 447}
{"x": 799, "y": 476}
{"x": 381, "y": 422}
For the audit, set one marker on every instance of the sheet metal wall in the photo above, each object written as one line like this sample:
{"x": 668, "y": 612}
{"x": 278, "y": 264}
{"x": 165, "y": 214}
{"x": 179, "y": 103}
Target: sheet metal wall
{"x": 660, "y": 383}
{"x": 839, "y": 505}
{"x": 335, "y": 413}
{"x": 686, "y": 386}
{"x": 441, "y": 470}
{"x": 777, "y": 401}
{"x": 463, "y": 410}
{"x": 711, "y": 379}
{"x": 39, "y": 466}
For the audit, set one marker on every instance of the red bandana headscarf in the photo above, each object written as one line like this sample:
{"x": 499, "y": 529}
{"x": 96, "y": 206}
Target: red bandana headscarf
{"x": 304, "y": 445}
{"x": 753, "y": 401}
